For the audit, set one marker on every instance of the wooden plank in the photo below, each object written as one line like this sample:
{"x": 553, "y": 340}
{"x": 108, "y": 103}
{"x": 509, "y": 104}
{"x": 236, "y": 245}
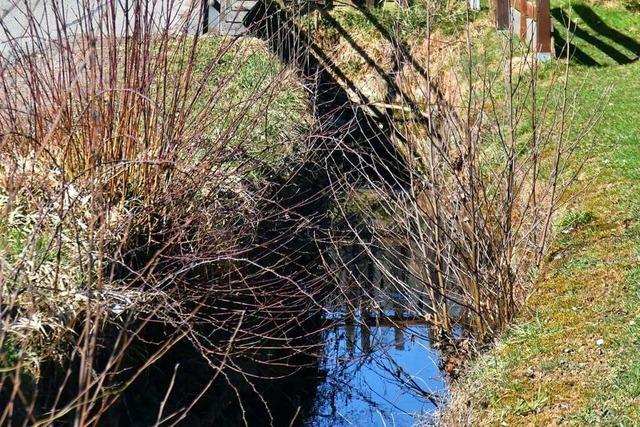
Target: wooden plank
{"x": 530, "y": 9}
{"x": 543, "y": 18}
{"x": 539, "y": 16}
{"x": 525, "y": 7}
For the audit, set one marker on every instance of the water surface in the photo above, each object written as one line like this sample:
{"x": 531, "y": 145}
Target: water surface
{"x": 377, "y": 375}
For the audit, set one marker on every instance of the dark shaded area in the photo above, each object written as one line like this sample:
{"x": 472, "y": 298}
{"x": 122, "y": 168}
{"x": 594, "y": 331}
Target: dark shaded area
{"x": 566, "y": 47}
{"x": 367, "y": 129}
{"x": 271, "y": 395}
{"x": 356, "y": 138}
{"x": 271, "y": 383}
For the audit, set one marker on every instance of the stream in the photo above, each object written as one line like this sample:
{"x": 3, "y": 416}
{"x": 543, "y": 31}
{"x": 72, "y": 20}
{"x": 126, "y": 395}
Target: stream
{"x": 372, "y": 366}
{"x": 377, "y": 376}
{"x": 371, "y": 363}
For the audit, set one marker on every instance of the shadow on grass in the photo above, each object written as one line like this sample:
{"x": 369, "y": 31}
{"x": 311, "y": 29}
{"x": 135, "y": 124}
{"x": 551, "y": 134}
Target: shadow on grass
{"x": 566, "y": 48}
{"x": 339, "y": 104}
{"x": 599, "y": 26}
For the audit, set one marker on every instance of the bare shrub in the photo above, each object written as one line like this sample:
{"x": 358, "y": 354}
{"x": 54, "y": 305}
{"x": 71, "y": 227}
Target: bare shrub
{"x": 160, "y": 188}
{"x": 487, "y": 151}
{"x": 139, "y": 170}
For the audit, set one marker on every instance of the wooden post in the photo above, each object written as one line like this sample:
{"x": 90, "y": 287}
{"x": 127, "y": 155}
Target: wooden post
{"x": 534, "y": 26}
{"x": 543, "y": 33}
{"x": 502, "y": 14}
{"x": 522, "y": 8}
{"x": 205, "y": 17}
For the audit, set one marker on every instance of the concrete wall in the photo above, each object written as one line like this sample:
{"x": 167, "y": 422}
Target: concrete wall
{"x": 29, "y": 21}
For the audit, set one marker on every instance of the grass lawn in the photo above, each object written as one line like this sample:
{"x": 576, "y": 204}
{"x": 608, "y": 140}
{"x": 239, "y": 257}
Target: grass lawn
{"x": 572, "y": 356}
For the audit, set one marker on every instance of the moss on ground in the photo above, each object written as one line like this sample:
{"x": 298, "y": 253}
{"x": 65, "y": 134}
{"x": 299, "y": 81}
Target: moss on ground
{"x": 572, "y": 356}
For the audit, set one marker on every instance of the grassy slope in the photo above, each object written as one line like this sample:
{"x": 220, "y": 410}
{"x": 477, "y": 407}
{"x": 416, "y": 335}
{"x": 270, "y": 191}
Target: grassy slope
{"x": 261, "y": 99}
{"x": 363, "y": 43}
{"x": 26, "y": 238}
{"x": 549, "y": 367}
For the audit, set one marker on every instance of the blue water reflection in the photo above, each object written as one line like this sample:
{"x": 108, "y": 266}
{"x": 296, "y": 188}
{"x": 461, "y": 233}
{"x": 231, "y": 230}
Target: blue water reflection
{"x": 377, "y": 376}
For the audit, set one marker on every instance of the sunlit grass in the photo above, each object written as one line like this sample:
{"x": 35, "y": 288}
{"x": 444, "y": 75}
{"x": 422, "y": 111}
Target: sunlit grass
{"x": 549, "y": 368}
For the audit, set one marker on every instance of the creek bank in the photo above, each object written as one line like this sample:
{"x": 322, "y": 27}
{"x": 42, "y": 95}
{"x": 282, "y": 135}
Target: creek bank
{"x": 548, "y": 367}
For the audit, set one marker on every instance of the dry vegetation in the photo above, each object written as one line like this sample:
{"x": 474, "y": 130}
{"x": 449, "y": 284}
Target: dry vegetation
{"x": 165, "y": 179}
{"x": 129, "y": 165}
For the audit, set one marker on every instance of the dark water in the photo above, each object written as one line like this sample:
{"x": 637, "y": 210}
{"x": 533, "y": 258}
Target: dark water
{"x": 371, "y": 364}
{"x": 364, "y": 374}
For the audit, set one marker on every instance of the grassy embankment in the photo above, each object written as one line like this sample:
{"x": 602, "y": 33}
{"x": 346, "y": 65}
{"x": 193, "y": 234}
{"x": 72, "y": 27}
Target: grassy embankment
{"x": 571, "y": 355}
{"x": 377, "y": 49}
{"x": 550, "y": 366}
{"x": 53, "y": 237}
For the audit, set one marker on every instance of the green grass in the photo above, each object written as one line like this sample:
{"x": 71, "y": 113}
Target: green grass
{"x": 24, "y": 237}
{"x": 390, "y": 19}
{"x": 259, "y": 98}
{"x": 548, "y": 368}
{"x": 575, "y": 219}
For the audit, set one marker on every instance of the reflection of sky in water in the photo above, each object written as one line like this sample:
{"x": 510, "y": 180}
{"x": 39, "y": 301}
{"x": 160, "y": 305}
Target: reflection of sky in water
{"x": 363, "y": 386}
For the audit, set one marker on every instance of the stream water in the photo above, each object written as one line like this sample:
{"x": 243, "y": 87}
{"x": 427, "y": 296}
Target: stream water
{"x": 377, "y": 376}
{"x": 379, "y": 367}
{"x": 371, "y": 364}
{"x": 368, "y": 360}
